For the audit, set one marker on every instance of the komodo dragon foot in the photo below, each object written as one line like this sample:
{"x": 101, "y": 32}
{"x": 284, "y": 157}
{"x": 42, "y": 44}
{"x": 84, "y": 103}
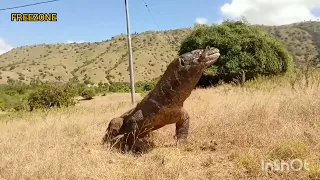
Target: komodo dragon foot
{"x": 141, "y": 145}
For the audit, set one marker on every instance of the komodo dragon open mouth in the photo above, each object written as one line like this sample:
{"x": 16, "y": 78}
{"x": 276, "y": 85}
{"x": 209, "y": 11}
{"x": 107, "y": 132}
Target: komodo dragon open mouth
{"x": 201, "y": 57}
{"x": 210, "y": 55}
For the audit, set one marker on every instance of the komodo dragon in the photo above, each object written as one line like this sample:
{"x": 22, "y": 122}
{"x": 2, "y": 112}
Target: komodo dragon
{"x": 164, "y": 104}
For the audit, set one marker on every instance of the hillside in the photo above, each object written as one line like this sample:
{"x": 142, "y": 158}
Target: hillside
{"x": 108, "y": 60}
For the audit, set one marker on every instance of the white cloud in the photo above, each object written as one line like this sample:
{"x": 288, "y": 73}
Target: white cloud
{"x": 201, "y": 20}
{"x": 271, "y": 12}
{"x": 4, "y": 47}
{"x": 74, "y": 41}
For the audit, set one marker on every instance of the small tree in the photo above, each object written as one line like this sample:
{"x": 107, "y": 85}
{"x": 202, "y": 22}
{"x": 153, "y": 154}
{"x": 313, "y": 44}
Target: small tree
{"x": 245, "y": 50}
{"x": 52, "y": 95}
{"x": 88, "y": 93}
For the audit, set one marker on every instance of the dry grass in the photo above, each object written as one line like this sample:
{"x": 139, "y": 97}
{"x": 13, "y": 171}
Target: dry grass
{"x": 248, "y": 125}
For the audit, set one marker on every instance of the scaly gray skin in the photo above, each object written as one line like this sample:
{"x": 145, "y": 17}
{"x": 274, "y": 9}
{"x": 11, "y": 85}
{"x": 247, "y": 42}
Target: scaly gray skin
{"x": 164, "y": 104}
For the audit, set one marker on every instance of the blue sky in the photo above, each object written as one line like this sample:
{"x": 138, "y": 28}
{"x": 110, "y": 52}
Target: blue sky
{"x": 88, "y": 21}
{"x": 98, "y": 20}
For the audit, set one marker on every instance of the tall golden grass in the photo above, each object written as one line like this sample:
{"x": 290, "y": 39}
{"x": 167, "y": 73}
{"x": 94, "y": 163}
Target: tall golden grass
{"x": 232, "y": 130}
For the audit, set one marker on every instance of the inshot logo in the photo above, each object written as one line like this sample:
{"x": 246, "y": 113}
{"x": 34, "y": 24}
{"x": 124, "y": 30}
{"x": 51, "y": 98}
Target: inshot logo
{"x": 285, "y": 166}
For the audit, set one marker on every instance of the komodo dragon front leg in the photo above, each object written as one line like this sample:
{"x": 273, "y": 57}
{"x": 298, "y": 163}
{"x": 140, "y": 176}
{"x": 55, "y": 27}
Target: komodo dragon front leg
{"x": 128, "y": 128}
{"x": 181, "y": 119}
{"x": 113, "y": 129}
{"x": 182, "y": 126}
{"x": 114, "y": 126}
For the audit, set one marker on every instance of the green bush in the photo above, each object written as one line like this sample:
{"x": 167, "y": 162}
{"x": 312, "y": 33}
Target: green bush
{"x": 244, "y": 49}
{"x": 88, "y": 93}
{"x": 119, "y": 87}
{"x": 12, "y": 96}
{"x": 18, "y": 96}
{"x": 12, "y": 103}
{"x": 144, "y": 86}
{"x": 52, "y": 95}
{"x": 78, "y": 88}
{"x": 126, "y": 87}
{"x": 87, "y": 81}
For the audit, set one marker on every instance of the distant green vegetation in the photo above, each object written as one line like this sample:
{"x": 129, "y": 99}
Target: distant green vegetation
{"x": 247, "y": 53}
{"x": 245, "y": 50}
{"x": 314, "y": 31}
{"x": 17, "y": 96}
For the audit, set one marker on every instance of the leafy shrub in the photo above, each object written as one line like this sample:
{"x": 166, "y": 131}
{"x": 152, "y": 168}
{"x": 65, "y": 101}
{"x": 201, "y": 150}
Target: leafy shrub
{"x": 119, "y": 87}
{"x": 12, "y": 90}
{"x": 126, "y": 87}
{"x": 18, "y": 96}
{"x": 243, "y": 48}
{"x": 12, "y": 67}
{"x": 88, "y": 93}
{"x": 52, "y": 95}
{"x": 144, "y": 86}
{"x": 87, "y": 81}
{"x": 12, "y": 103}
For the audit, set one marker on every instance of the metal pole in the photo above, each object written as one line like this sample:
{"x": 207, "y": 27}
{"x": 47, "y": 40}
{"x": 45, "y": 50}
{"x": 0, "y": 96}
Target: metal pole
{"x": 133, "y": 99}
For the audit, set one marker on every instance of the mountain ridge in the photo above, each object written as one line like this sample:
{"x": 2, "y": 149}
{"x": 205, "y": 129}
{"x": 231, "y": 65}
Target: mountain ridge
{"x": 107, "y": 61}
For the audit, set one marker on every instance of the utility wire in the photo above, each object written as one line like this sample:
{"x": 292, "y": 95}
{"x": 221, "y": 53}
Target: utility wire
{"x": 167, "y": 37}
{"x": 151, "y": 13}
{"x": 43, "y": 2}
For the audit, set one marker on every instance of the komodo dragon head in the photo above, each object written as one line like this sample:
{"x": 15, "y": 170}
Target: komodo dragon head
{"x": 199, "y": 59}
{"x": 182, "y": 75}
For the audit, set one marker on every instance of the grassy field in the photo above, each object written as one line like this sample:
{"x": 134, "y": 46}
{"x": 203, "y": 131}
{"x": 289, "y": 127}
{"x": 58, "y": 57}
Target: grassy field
{"x": 232, "y": 129}
{"x": 107, "y": 60}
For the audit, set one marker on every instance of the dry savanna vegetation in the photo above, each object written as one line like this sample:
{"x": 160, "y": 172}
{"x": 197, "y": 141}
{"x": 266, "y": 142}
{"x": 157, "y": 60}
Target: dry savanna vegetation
{"x": 107, "y": 61}
{"x": 233, "y": 128}
{"x": 53, "y": 130}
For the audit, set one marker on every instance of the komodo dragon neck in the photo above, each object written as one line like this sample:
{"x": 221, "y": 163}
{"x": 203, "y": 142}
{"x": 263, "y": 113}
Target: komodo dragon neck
{"x": 175, "y": 86}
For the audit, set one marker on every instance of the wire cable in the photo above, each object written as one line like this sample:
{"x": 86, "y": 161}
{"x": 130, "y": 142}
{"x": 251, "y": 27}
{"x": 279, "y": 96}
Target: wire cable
{"x": 151, "y": 14}
{"x": 16, "y": 7}
{"x": 166, "y": 36}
